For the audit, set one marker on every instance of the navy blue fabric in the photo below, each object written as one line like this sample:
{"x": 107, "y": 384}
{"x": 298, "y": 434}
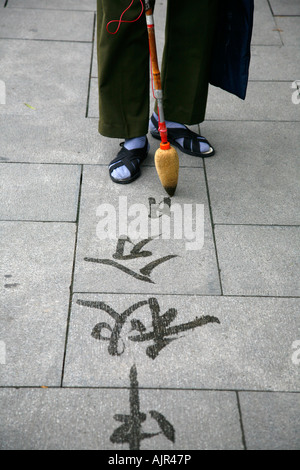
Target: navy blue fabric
{"x": 231, "y": 56}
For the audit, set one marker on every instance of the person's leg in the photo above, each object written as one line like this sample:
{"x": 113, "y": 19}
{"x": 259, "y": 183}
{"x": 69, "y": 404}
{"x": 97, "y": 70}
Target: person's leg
{"x": 190, "y": 31}
{"x": 189, "y": 38}
{"x": 123, "y": 71}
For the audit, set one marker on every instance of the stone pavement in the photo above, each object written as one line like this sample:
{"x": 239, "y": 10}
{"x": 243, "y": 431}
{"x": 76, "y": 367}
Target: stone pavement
{"x": 211, "y": 352}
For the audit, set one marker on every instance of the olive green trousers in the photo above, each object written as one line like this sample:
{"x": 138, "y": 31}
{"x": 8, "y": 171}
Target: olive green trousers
{"x": 123, "y": 65}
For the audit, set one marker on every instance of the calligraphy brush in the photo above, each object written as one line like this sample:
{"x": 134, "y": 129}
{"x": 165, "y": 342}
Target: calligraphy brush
{"x": 166, "y": 158}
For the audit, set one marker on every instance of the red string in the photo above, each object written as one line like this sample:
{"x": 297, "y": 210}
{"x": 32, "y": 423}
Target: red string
{"x": 124, "y": 21}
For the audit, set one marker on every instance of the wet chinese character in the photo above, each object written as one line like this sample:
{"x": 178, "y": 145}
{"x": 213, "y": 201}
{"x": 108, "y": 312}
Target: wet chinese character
{"x": 135, "y": 253}
{"x": 161, "y": 334}
{"x": 116, "y": 345}
{"x": 158, "y": 210}
{"x": 131, "y": 431}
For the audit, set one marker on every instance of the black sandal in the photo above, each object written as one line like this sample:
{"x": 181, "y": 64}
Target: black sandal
{"x": 188, "y": 136}
{"x": 131, "y": 159}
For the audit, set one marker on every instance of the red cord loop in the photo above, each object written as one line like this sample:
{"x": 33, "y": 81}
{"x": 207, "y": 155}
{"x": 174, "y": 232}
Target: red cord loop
{"x": 120, "y": 20}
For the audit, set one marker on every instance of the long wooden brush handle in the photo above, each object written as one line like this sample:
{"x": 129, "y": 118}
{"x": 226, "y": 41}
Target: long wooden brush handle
{"x": 153, "y": 50}
{"x": 166, "y": 157}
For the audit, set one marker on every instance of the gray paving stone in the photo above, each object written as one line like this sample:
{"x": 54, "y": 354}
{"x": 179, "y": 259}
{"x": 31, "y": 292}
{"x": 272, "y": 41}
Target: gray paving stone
{"x": 39, "y": 192}
{"x": 47, "y": 416}
{"x": 264, "y": 29}
{"x": 256, "y": 260}
{"x": 93, "y": 111}
{"x": 94, "y": 73}
{"x": 47, "y": 25}
{"x": 160, "y": 13}
{"x": 196, "y": 269}
{"x": 253, "y": 178}
{"x": 275, "y": 63}
{"x": 290, "y": 30}
{"x": 265, "y": 101}
{"x": 271, "y": 420}
{"x": 38, "y": 139}
{"x": 250, "y": 348}
{"x": 288, "y": 7}
{"x": 52, "y": 78}
{"x": 89, "y": 5}
{"x": 36, "y": 268}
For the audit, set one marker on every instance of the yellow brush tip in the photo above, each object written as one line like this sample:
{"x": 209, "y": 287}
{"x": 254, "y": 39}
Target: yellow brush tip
{"x": 167, "y": 167}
